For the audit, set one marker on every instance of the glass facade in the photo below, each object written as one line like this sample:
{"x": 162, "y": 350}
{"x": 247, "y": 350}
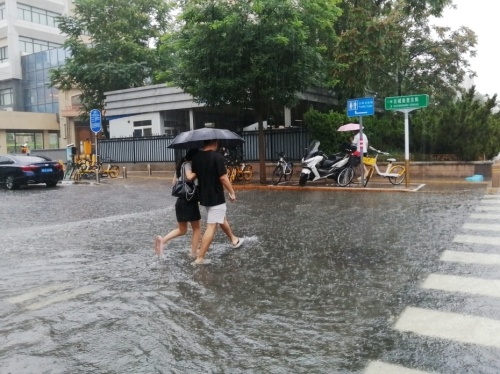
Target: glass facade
{"x": 2, "y": 11}
{"x": 38, "y": 96}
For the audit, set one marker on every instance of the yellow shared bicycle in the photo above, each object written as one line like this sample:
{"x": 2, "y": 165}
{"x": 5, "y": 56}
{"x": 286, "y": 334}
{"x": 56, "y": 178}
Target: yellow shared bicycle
{"x": 395, "y": 173}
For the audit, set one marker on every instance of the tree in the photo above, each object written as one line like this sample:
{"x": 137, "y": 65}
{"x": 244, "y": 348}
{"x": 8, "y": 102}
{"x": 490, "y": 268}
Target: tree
{"x": 109, "y": 42}
{"x": 389, "y": 48}
{"x": 466, "y": 127}
{"x": 323, "y": 126}
{"x": 251, "y": 54}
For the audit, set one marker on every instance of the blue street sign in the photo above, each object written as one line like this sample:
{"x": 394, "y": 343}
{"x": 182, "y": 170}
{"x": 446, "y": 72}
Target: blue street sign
{"x": 360, "y": 107}
{"x": 95, "y": 120}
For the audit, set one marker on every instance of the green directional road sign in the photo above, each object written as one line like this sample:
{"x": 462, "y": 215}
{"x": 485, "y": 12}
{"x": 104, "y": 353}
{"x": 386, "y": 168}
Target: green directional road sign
{"x": 406, "y": 102}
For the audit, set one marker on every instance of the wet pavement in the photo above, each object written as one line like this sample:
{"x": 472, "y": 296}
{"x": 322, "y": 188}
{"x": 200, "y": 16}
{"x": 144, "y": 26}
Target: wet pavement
{"x": 328, "y": 281}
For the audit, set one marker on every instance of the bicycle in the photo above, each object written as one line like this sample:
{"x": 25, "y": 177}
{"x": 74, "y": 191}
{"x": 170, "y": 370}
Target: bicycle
{"x": 395, "y": 173}
{"x": 111, "y": 170}
{"x": 236, "y": 170}
{"x": 244, "y": 171}
{"x": 283, "y": 169}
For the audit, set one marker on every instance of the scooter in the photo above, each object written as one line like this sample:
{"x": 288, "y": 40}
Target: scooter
{"x": 316, "y": 165}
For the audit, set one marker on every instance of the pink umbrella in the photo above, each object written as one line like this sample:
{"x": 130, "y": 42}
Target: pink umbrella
{"x": 349, "y": 127}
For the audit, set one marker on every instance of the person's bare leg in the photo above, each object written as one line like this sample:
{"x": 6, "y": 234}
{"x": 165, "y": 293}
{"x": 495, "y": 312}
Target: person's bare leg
{"x": 206, "y": 240}
{"x": 195, "y": 240}
{"x": 179, "y": 231}
{"x": 229, "y": 233}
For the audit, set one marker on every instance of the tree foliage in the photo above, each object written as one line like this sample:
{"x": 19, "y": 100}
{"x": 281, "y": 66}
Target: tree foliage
{"x": 251, "y": 54}
{"x": 323, "y": 127}
{"x": 389, "y": 48}
{"x": 466, "y": 127}
{"x": 109, "y": 42}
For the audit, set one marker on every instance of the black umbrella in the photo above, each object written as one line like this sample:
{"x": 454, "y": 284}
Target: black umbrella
{"x": 196, "y": 138}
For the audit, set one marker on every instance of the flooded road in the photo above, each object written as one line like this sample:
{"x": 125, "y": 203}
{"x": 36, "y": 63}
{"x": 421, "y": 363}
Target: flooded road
{"x": 344, "y": 282}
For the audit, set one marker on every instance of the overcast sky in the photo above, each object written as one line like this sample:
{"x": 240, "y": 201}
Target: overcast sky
{"x": 481, "y": 16}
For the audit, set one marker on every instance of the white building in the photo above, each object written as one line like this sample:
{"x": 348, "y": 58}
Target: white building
{"x": 159, "y": 109}
{"x": 28, "y": 27}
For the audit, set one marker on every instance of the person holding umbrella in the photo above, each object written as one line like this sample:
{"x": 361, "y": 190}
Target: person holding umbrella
{"x": 208, "y": 165}
{"x": 186, "y": 211}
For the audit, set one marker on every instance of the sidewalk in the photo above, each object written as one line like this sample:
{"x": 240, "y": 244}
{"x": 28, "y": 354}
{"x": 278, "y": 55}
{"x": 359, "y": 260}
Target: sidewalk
{"x": 376, "y": 184}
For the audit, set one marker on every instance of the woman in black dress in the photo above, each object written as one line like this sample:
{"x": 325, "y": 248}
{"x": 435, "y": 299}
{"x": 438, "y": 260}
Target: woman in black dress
{"x": 185, "y": 211}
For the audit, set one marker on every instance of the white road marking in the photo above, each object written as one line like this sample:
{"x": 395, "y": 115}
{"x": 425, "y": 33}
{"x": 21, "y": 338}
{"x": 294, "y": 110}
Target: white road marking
{"x": 485, "y": 216}
{"x": 482, "y": 226}
{"x": 470, "y": 257}
{"x": 37, "y": 292}
{"x": 491, "y": 197}
{"x": 475, "y": 239}
{"x": 450, "y": 326}
{"x": 62, "y": 297}
{"x": 379, "y": 367}
{"x": 488, "y": 208}
{"x": 491, "y": 201}
{"x": 469, "y": 285}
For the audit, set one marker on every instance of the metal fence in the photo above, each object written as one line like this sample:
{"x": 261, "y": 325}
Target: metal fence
{"x": 154, "y": 148}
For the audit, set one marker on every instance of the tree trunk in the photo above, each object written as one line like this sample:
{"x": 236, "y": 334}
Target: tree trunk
{"x": 262, "y": 150}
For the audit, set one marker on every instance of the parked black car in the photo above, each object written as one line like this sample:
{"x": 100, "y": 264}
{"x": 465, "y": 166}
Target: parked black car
{"x": 20, "y": 170}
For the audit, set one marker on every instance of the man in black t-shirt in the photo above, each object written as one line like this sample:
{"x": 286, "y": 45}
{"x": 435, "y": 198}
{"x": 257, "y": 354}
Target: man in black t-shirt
{"x": 208, "y": 165}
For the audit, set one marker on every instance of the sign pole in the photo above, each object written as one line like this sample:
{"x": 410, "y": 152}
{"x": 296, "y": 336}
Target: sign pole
{"x": 407, "y": 146}
{"x": 360, "y": 107}
{"x": 97, "y": 177}
{"x": 406, "y": 104}
{"x": 96, "y": 127}
{"x": 362, "y": 150}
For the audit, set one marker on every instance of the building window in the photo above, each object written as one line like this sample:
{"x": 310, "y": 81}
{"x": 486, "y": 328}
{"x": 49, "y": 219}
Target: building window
{"x": 142, "y": 128}
{"x": 29, "y": 45}
{"x": 3, "y": 54}
{"x": 53, "y": 140}
{"x": 37, "y": 15}
{"x": 6, "y": 97}
{"x": 142, "y": 123}
{"x": 16, "y": 139}
{"x": 2, "y": 11}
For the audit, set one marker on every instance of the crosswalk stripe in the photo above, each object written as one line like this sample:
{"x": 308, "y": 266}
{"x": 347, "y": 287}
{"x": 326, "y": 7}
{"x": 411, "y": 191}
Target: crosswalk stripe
{"x": 37, "y": 292}
{"x": 491, "y": 197}
{"x": 470, "y": 257}
{"x": 475, "y": 239}
{"x": 62, "y": 297}
{"x": 485, "y": 216}
{"x": 488, "y": 208}
{"x": 469, "y": 285}
{"x": 482, "y": 226}
{"x": 490, "y": 201}
{"x": 379, "y": 367}
{"x": 450, "y": 326}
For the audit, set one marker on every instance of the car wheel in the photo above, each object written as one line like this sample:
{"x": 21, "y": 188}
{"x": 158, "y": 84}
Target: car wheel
{"x": 51, "y": 184}
{"x": 10, "y": 182}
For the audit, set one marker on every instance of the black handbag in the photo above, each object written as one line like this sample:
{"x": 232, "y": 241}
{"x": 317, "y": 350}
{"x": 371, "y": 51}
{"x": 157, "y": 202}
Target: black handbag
{"x": 185, "y": 189}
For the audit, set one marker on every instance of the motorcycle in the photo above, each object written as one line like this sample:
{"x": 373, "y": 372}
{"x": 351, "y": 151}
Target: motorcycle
{"x": 316, "y": 165}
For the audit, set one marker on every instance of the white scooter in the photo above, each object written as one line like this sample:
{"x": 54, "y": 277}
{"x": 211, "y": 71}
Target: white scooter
{"x": 316, "y": 165}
